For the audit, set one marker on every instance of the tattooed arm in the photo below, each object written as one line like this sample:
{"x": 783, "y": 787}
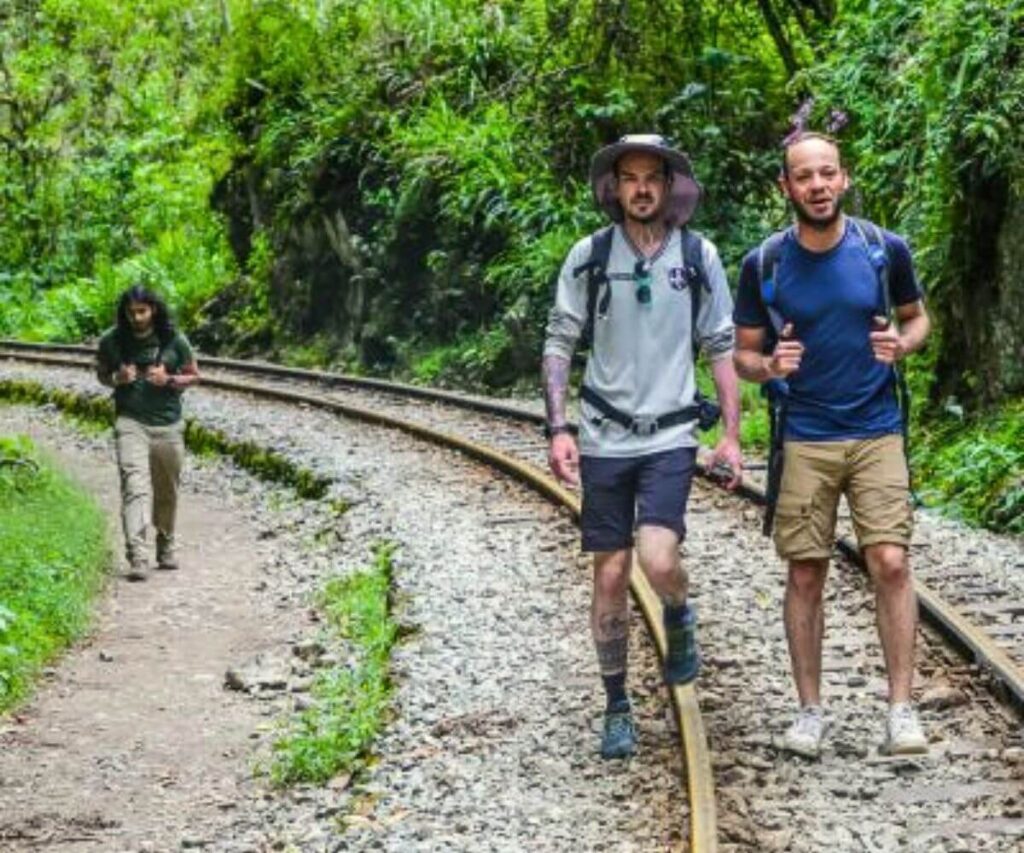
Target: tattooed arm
{"x": 556, "y": 386}
{"x": 565, "y": 323}
{"x": 563, "y": 455}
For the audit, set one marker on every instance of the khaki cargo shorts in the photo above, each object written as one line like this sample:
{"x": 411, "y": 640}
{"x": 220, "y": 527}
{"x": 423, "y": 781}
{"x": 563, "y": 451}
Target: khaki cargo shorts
{"x": 871, "y": 472}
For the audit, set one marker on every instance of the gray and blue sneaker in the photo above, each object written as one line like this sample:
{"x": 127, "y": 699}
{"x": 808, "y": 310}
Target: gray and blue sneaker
{"x": 619, "y": 738}
{"x": 682, "y": 658}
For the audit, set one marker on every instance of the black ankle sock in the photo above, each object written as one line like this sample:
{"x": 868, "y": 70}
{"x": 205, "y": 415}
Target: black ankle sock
{"x": 615, "y": 689}
{"x": 675, "y": 614}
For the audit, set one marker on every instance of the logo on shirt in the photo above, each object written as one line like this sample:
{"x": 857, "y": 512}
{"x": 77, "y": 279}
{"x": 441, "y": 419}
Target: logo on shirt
{"x": 677, "y": 278}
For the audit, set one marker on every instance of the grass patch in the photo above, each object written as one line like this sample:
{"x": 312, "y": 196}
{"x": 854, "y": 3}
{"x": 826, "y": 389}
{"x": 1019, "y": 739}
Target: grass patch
{"x": 351, "y": 699}
{"x": 54, "y": 554}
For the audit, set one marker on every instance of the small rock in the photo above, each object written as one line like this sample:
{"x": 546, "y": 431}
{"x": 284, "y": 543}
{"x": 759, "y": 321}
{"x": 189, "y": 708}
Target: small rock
{"x": 340, "y": 782}
{"x": 106, "y": 656}
{"x": 300, "y": 685}
{"x": 233, "y": 679}
{"x": 308, "y": 649}
{"x": 941, "y": 698}
{"x": 1013, "y": 755}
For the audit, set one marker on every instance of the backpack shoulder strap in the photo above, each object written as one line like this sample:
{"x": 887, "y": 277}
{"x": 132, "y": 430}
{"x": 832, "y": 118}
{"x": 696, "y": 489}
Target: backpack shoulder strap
{"x": 873, "y": 239}
{"x": 596, "y": 269}
{"x": 692, "y": 247}
{"x": 768, "y": 255}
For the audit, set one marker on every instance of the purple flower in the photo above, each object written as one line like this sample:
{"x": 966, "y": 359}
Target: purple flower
{"x": 798, "y": 121}
{"x": 837, "y": 120}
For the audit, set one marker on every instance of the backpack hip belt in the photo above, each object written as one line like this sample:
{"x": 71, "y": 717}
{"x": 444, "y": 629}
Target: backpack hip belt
{"x": 644, "y": 425}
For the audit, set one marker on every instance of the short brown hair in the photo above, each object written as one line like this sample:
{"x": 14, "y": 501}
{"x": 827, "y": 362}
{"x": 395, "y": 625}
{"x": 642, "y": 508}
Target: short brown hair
{"x": 796, "y": 139}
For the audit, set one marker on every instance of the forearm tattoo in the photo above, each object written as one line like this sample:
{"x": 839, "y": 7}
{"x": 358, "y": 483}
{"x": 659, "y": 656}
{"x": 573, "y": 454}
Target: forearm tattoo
{"x": 611, "y": 638}
{"x": 556, "y": 386}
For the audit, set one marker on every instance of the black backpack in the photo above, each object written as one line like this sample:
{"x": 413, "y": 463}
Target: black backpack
{"x": 769, "y": 254}
{"x": 599, "y": 294}
{"x": 596, "y": 268}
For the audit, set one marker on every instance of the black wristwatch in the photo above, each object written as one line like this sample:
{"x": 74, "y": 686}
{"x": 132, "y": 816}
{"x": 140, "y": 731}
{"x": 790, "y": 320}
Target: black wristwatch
{"x": 551, "y": 431}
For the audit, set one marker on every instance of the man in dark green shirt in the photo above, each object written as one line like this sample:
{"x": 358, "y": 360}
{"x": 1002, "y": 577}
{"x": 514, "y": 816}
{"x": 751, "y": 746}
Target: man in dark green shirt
{"x": 148, "y": 363}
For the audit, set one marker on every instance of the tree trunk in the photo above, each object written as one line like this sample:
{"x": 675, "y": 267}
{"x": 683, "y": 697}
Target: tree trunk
{"x": 778, "y": 34}
{"x": 981, "y": 311}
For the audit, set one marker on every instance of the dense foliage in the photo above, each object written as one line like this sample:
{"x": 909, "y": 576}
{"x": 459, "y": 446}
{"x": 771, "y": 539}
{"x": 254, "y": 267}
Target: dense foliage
{"x": 391, "y": 185}
{"x": 109, "y": 152}
{"x": 53, "y": 538}
{"x": 935, "y": 90}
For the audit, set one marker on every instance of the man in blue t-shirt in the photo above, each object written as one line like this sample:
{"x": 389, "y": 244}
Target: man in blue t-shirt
{"x": 836, "y": 353}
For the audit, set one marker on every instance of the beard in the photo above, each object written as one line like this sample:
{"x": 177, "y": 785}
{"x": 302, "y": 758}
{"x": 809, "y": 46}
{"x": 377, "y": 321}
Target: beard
{"x": 819, "y": 223}
{"x": 652, "y": 214}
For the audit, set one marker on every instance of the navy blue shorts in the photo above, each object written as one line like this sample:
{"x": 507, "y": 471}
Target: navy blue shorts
{"x": 622, "y": 494}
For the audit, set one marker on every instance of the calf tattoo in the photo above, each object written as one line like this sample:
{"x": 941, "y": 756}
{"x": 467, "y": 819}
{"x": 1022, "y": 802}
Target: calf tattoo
{"x": 611, "y": 638}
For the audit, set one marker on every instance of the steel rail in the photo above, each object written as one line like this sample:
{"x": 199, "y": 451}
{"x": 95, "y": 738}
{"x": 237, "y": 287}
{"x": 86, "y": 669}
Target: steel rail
{"x": 263, "y": 368}
{"x": 696, "y": 753}
{"x": 970, "y": 639}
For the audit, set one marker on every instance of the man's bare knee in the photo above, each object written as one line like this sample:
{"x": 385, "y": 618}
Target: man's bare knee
{"x": 889, "y": 565}
{"x": 807, "y": 577}
{"x": 611, "y": 574}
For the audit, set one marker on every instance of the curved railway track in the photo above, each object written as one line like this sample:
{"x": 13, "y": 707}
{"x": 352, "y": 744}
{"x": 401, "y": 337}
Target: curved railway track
{"x": 508, "y": 438}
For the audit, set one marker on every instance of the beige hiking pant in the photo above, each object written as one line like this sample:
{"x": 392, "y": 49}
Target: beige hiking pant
{"x": 149, "y": 459}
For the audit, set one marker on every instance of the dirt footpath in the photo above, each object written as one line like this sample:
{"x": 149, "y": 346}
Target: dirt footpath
{"x": 133, "y": 743}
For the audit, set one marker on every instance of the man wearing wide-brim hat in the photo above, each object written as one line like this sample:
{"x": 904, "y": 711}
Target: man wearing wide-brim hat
{"x": 645, "y": 293}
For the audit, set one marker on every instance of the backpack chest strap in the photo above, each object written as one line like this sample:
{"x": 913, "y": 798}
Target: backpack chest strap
{"x": 644, "y": 425}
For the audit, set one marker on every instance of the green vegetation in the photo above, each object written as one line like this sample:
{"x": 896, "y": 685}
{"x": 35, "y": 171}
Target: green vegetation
{"x": 975, "y": 468}
{"x": 934, "y": 90}
{"x": 53, "y": 539}
{"x": 390, "y": 186}
{"x": 350, "y": 699}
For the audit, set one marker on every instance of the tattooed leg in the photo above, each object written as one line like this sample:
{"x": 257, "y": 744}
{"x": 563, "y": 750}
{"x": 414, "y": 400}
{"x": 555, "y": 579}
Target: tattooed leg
{"x": 610, "y": 622}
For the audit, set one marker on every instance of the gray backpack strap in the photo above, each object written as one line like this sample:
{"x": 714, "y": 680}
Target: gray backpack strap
{"x": 596, "y": 268}
{"x": 691, "y": 245}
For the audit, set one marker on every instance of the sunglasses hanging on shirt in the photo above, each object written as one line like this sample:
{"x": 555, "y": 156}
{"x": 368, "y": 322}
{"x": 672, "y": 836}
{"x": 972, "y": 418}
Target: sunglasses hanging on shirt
{"x": 642, "y": 278}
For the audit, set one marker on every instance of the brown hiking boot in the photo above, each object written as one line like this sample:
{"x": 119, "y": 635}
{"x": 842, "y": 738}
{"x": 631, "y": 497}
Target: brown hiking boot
{"x": 166, "y": 559}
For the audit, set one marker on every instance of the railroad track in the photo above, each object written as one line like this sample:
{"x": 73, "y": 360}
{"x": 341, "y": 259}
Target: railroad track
{"x": 508, "y": 438}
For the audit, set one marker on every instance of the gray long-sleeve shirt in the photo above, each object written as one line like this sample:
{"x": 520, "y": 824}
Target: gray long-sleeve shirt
{"x": 642, "y": 357}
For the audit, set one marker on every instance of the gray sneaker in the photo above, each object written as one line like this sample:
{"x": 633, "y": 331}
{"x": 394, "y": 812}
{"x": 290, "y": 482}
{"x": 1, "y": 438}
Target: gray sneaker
{"x": 903, "y": 735}
{"x": 804, "y": 736}
{"x": 619, "y": 738}
{"x": 138, "y": 568}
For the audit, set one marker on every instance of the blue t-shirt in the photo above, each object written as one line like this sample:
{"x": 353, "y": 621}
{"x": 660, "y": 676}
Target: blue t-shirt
{"x": 840, "y": 390}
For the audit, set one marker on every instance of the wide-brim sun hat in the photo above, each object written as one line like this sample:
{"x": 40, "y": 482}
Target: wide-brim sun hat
{"x": 684, "y": 193}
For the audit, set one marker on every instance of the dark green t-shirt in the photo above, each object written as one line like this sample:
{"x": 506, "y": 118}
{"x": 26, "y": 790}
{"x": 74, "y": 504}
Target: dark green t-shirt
{"x": 141, "y": 400}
